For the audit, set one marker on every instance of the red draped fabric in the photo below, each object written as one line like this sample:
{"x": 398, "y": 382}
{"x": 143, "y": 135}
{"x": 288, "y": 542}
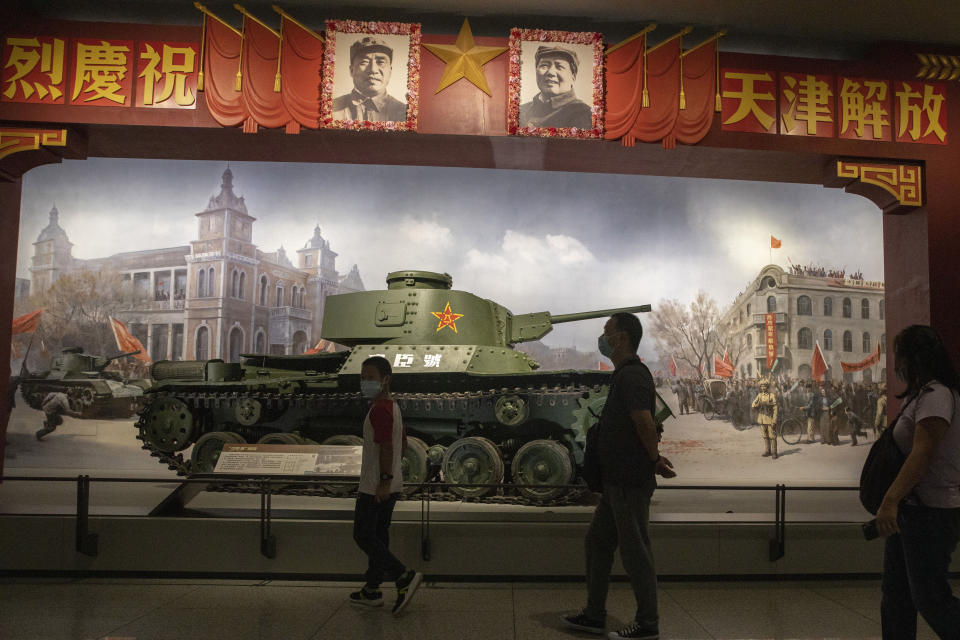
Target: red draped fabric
{"x": 699, "y": 88}
{"x": 222, "y": 48}
{"x": 261, "y": 48}
{"x": 300, "y": 65}
{"x": 624, "y": 78}
{"x": 663, "y": 84}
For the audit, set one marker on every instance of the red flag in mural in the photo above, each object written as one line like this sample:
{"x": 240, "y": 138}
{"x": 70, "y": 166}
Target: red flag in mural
{"x": 775, "y": 243}
{"x": 721, "y": 368}
{"x": 301, "y": 59}
{"x": 602, "y": 366}
{"x": 321, "y": 347}
{"x": 127, "y": 342}
{"x": 818, "y": 366}
{"x": 866, "y": 363}
{"x": 27, "y": 323}
{"x": 673, "y": 367}
{"x": 726, "y": 359}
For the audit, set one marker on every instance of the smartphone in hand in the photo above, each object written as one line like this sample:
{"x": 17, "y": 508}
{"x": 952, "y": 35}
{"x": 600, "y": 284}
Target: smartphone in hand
{"x": 870, "y": 530}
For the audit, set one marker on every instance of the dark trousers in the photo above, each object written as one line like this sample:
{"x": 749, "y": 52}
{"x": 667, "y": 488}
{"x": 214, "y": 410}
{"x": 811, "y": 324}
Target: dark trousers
{"x": 371, "y": 532}
{"x": 621, "y": 520}
{"x": 915, "y": 567}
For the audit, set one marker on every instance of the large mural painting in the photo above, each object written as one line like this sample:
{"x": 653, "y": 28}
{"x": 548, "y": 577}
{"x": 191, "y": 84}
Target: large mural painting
{"x": 177, "y": 260}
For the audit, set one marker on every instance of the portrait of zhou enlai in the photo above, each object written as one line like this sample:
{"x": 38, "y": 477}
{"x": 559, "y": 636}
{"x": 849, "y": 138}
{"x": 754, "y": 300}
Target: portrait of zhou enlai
{"x": 365, "y": 92}
{"x": 556, "y": 68}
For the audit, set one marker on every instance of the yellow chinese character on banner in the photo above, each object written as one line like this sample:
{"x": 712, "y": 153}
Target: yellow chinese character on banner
{"x": 809, "y": 101}
{"x": 24, "y": 58}
{"x": 749, "y": 98}
{"x": 910, "y": 112}
{"x": 863, "y": 111}
{"x": 100, "y": 69}
{"x": 174, "y": 66}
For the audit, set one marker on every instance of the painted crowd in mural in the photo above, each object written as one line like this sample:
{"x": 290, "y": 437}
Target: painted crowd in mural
{"x": 220, "y": 261}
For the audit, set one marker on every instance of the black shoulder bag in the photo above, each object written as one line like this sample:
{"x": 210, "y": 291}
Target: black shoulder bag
{"x": 882, "y": 465}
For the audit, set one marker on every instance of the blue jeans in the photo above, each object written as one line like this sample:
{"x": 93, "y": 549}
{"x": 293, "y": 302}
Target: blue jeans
{"x": 621, "y": 520}
{"x": 371, "y": 532}
{"x": 915, "y": 567}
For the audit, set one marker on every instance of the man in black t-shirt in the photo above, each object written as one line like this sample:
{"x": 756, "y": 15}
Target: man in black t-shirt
{"x": 629, "y": 458}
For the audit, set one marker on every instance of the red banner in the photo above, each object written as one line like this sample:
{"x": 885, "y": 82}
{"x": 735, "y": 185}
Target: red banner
{"x": 300, "y": 63}
{"x": 127, "y": 342}
{"x": 261, "y": 76}
{"x": 867, "y": 362}
{"x": 770, "y": 326}
{"x": 700, "y": 91}
{"x": 27, "y": 323}
{"x": 221, "y": 74}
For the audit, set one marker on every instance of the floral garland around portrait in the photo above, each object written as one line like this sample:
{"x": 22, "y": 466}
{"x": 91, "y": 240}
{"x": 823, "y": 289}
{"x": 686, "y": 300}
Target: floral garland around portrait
{"x": 413, "y": 74}
{"x": 513, "y": 83}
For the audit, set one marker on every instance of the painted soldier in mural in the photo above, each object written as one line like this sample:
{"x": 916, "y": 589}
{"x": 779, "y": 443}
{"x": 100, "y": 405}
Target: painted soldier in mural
{"x": 371, "y": 64}
{"x": 557, "y": 104}
{"x": 55, "y": 404}
{"x": 856, "y": 425}
{"x": 880, "y": 419}
{"x": 765, "y": 405}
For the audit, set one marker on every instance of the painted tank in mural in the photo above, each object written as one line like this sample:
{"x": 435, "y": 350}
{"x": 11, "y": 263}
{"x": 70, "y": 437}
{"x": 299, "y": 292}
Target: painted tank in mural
{"x": 99, "y": 393}
{"x": 476, "y": 409}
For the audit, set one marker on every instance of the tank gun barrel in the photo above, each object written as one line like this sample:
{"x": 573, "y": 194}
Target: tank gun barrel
{"x": 589, "y": 315}
{"x": 533, "y": 326}
{"x": 107, "y": 361}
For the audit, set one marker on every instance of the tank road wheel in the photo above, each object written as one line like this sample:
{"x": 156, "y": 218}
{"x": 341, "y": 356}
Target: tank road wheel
{"x": 542, "y": 462}
{"x": 87, "y": 397}
{"x": 511, "y": 410}
{"x": 472, "y": 460}
{"x": 414, "y": 464}
{"x": 281, "y": 438}
{"x": 342, "y": 490}
{"x": 207, "y": 450}
{"x": 167, "y": 424}
{"x": 435, "y": 455}
{"x": 248, "y": 411}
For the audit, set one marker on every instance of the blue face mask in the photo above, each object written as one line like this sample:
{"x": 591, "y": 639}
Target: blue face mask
{"x": 370, "y": 388}
{"x": 603, "y": 345}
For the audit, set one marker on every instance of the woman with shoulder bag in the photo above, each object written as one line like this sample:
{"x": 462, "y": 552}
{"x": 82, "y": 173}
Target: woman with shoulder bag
{"x": 920, "y": 512}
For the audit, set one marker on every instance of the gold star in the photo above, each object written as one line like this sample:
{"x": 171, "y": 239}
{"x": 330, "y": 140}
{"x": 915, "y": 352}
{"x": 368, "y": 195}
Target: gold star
{"x": 464, "y": 60}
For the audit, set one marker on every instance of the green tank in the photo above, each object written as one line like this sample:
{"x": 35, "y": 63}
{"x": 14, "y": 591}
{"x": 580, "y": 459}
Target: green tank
{"x": 100, "y": 393}
{"x": 476, "y": 410}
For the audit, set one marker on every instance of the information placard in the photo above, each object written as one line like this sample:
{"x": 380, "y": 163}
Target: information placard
{"x": 339, "y": 461}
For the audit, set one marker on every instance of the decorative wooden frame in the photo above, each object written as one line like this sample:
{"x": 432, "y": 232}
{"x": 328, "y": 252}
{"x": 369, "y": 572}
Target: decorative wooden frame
{"x": 335, "y": 27}
{"x": 513, "y": 82}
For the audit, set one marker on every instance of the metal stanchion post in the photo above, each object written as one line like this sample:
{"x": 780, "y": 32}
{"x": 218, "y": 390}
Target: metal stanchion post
{"x": 268, "y": 542}
{"x": 86, "y": 541}
{"x": 425, "y": 524}
{"x": 779, "y": 543}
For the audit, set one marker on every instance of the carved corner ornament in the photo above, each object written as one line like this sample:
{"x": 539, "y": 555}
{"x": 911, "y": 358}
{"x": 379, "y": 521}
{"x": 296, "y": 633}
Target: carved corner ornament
{"x": 895, "y": 188}
{"x": 14, "y": 140}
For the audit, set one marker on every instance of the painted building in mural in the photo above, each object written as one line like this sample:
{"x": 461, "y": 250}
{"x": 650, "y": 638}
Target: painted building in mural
{"x": 844, "y": 315}
{"x": 217, "y": 297}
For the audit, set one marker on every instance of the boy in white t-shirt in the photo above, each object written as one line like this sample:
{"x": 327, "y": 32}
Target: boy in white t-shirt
{"x": 381, "y": 481}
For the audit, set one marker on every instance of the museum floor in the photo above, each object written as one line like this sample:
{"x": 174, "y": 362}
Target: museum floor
{"x": 175, "y": 609}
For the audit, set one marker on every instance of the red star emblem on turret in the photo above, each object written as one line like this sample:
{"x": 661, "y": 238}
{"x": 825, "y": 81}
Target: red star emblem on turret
{"x": 447, "y": 318}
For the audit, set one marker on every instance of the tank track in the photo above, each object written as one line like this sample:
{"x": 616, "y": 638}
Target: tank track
{"x": 539, "y": 396}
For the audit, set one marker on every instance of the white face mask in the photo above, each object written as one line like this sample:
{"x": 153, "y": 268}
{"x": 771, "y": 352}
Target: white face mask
{"x": 370, "y": 388}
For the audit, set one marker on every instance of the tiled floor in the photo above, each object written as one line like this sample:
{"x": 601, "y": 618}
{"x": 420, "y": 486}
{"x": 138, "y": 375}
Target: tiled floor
{"x": 89, "y": 609}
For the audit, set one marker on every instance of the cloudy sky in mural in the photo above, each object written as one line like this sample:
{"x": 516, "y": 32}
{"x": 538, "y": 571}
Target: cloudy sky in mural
{"x": 532, "y": 241}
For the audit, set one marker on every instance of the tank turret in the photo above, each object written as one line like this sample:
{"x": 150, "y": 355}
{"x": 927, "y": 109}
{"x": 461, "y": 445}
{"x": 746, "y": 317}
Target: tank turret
{"x": 421, "y": 324}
